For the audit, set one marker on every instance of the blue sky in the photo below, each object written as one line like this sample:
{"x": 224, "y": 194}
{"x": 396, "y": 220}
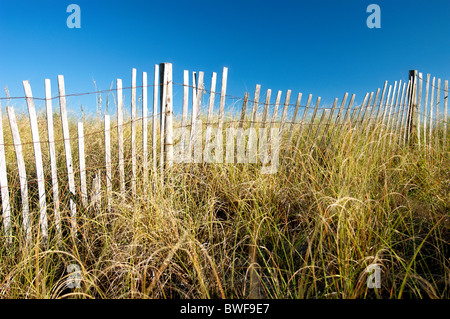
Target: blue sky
{"x": 322, "y": 47}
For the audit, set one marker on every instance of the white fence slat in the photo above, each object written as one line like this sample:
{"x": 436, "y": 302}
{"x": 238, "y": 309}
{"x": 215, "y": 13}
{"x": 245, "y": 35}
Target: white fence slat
{"x": 52, "y": 154}
{"x": 107, "y": 124}
{"x": 155, "y": 119}
{"x": 22, "y": 173}
{"x": 82, "y": 163}
{"x": 38, "y": 160}
{"x": 144, "y": 132}
{"x": 120, "y": 136}
{"x": 68, "y": 152}
{"x": 133, "y": 133}
{"x": 6, "y": 206}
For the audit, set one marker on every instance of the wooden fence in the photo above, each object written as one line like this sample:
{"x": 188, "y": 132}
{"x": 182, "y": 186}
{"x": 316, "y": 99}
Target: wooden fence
{"x": 414, "y": 119}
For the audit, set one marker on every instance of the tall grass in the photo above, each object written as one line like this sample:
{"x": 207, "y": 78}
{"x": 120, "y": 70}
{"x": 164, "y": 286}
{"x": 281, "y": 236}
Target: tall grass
{"x": 228, "y": 231}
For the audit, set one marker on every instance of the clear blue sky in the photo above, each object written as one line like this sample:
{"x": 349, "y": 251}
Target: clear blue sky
{"x": 321, "y": 47}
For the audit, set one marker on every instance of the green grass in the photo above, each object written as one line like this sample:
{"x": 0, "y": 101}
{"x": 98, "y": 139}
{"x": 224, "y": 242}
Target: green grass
{"x": 227, "y": 231}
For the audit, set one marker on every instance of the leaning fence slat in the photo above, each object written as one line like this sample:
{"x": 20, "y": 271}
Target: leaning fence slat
{"x": 6, "y": 207}
{"x": 338, "y": 118}
{"x": 155, "y": 119}
{"x": 133, "y": 133}
{"x": 52, "y": 153}
{"x": 38, "y": 160}
{"x": 107, "y": 124}
{"x": 419, "y": 100}
{"x": 400, "y": 111}
{"x": 275, "y": 111}
{"x": 120, "y": 136}
{"x": 425, "y": 112}
{"x": 68, "y": 152}
{"x": 210, "y": 111}
{"x": 196, "y": 107}
{"x": 82, "y": 163}
{"x": 404, "y": 124}
{"x": 445, "y": 111}
{"x": 285, "y": 110}
{"x": 311, "y": 124}
{"x": 144, "y": 133}
{"x": 302, "y": 123}
{"x": 168, "y": 140}
{"x": 244, "y": 109}
{"x": 266, "y": 108}
{"x": 431, "y": 112}
{"x": 294, "y": 117}
{"x": 223, "y": 91}
{"x": 438, "y": 105}
{"x": 184, "y": 117}
{"x": 22, "y": 173}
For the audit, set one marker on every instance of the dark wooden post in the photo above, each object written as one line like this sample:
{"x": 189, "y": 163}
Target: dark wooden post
{"x": 412, "y": 104}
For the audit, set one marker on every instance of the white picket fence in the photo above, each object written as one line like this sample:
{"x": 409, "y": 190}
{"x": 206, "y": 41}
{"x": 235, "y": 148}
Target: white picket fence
{"x": 400, "y": 112}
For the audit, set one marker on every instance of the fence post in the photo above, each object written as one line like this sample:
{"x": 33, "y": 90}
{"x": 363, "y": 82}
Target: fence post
{"x": 6, "y": 208}
{"x": 68, "y": 152}
{"x": 412, "y": 103}
{"x": 445, "y": 111}
{"x": 52, "y": 152}
{"x": 166, "y": 100}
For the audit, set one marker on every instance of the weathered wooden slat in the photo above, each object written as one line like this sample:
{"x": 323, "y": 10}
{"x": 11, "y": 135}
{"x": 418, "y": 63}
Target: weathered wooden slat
{"x": 133, "y": 133}
{"x": 82, "y": 163}
{"x": 22, "y": 174}
{"x": 302, "y": 123}
{"x": 445, "y": 112}
{"x": 38, "y": 161}
{"x": 285, "y": 110}
{"x": 108, "y": 167}
{"x": 223, "y": 92}
{"x": 419, "y": 100}
{"x": 155, "y": 120}
{"x": 52, "y": 153}
{"x": 431, "y": 112}
{"x": 294, "y": 118}
{"x": 184, "y": 117}
{"x": 425, "y": 112}
{"x": 438, "y": 105}
{"x": 68, "y": 153}
{"x": 120, "y": 136}
{"x": 6, "y": 206}
{"x": 209, "y": 123}
{"x": 144, "y": 133}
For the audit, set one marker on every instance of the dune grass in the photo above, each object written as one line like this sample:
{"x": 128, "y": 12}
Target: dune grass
{"x": 228, "y": 231}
